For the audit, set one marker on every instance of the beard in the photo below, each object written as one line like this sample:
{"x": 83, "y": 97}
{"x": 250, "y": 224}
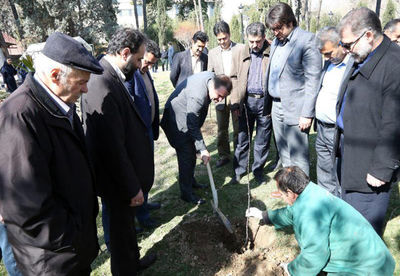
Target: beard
{"x": 364, "y": 48}
{"x": 129, "y": 69}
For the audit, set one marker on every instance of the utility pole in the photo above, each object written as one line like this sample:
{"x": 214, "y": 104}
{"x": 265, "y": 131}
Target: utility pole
{"x": 378, "y": 7}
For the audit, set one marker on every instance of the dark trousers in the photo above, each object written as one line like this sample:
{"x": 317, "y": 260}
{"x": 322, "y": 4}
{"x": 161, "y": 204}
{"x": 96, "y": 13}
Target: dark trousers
{"x": 254, "y": 108}
{"x": 372, "y": 206}
{"x": 186, "y": 154}
{"x": 164, "y": 64}
{"x": 142, "y": 212}
{"x": 326, "y": 170}
{"x": 123, "y": 243}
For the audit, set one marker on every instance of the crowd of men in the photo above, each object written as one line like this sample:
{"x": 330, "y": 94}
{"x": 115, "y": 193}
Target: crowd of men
{"x": 53, "y": 164}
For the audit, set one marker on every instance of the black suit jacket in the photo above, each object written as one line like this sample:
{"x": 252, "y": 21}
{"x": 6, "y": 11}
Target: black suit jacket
{"x": 371, "y": 120}
{"x": 117, "y": 137}
{"x": 181, "y": 67}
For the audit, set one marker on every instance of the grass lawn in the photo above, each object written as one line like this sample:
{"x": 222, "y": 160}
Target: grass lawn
{"x": 179, "y": 252}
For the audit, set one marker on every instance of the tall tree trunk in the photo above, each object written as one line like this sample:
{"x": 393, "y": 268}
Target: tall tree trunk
{"x": 197, "y": 16}
{"x": 378, "y": 7}
{"x": 318, "y": 14}
{"x": 201, "y": 17}
{"x": 144, "y": 16}
{"x": 16, "y": 18}
{"x": 136, "y": 14}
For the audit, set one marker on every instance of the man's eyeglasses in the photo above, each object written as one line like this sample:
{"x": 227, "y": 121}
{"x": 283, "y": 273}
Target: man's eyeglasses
{"x": 349, "y": 46}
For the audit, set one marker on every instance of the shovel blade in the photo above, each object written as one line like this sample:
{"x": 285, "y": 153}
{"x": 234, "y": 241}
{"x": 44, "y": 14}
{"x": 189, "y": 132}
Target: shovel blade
{"x": 224, "y": 220}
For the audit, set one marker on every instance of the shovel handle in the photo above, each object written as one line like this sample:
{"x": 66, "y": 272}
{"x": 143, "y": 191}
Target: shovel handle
{"x": 214, "y": 192}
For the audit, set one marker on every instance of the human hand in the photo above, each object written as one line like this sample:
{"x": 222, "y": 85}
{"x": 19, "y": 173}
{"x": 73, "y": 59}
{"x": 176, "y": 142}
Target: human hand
{"x": 285, "y": 268}
{"x": 373, "y": 181}
{"x": 254, "y": 212}
{"x": 137, "y": 200}
{"x": 304, "y": 123}
{"x": 205, "y": 156}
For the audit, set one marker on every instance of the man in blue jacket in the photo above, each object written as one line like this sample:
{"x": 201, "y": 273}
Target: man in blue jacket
{"x": 332, "y": 235}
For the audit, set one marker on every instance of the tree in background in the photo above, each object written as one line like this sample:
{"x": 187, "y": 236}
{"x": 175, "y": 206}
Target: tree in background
{"x": 235, "y": 29}
{"x": 184, "y": 33}
{"x": 390, "y": 12}
{"x": 209, "y": 25}
{"x": 93, "y": 20}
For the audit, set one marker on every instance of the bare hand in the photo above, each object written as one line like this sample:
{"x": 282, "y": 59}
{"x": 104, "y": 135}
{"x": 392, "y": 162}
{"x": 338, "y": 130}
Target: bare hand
{"x": 205, "y": 156}
{"x": 304, "y": 123}
{"x": 373, "y": 181}
{"x": 137, "y": 200}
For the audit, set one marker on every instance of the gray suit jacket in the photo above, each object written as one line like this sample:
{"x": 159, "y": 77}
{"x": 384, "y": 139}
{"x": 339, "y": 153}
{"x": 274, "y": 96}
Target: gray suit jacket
{"x": 299, "y": 77}
{"x": 186, "y": 110}
{"x": 181, "y": 67}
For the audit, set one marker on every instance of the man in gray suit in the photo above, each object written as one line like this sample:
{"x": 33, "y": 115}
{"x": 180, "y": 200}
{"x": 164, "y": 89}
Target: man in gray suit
{"x": 191, "y": 61}
{"x": 184, "y": 114}
{"x": 292, "y": 79}
{"x": 335, "y": 68}
{"x": 220, "y": 62}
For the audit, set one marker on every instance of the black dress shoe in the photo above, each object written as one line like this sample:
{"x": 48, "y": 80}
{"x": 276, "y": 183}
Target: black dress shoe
{"x": 153, "y": 205}
{"x": 147, "y": 261}
{"x": 235, "y": 180}
{"x": 222, "y": 162}
{"x": 149, "y": 223}
{"x": 194, "y": 199}
{"x": 199, "y": 186}
{"x": 260, "y": 179}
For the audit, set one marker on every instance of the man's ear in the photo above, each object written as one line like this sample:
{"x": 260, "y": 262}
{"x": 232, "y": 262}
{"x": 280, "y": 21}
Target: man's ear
{"x": 55, "y": 75}
{"x": 292, "y": 195}
{"x": 125, "y": 53}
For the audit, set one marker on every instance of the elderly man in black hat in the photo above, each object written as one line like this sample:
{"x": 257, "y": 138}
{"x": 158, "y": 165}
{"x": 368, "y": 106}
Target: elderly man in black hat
{"x": 47, "y": 192}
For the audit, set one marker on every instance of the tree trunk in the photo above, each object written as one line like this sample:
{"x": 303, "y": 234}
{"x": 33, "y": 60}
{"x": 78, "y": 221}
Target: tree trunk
{"x": 144, "y": 16}
{"x": 16, "y": 18}
{"x": 136, "y": 14}
{"x": 318, "y": 14}
{"x": 197, "y": 16}
{"x": 201, "y": 17}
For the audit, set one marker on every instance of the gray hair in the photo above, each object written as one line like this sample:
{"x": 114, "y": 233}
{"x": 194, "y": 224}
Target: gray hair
{"x": 361, "y": 20}
{"x": 327, "y": 34}
{"x": 256, "y": 29}
{"x": 43, "y": 65}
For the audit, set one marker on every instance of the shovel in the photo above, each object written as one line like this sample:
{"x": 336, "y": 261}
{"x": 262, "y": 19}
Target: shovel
{"x": 214, "y": 203}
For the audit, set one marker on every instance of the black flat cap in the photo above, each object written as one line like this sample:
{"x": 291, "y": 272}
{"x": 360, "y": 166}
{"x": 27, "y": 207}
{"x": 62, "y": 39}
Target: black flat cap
{"x": 66, "y": 50}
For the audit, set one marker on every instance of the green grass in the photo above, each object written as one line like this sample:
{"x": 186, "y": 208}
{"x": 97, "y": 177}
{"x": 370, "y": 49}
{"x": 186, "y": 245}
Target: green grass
{"x": 233, "y": 202}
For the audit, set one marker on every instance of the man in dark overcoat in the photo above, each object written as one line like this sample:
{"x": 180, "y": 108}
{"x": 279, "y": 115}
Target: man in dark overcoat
{"x": 8, "y": 72}
{"x": 120, "y": 146}
{"x": 47, "y": 192}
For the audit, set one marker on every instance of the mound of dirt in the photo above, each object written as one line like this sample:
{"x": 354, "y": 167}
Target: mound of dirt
{"x": 207, "y": 245}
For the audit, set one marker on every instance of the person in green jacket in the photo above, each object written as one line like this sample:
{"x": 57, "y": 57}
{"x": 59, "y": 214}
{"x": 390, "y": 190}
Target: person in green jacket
{"x": 333, "y": 236}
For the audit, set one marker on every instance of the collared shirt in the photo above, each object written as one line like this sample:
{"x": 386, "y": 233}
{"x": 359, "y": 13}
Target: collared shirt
{"x": 196, "y": 63}
{"x": 226, "y": 59}
{"x": 254, "y": 80}
{"x": 325, "y": 108}
{"x": 66, "y": 109}
{"x": 150, "y": 93}
{"x": 357, "y": 68}
{"x": 276, "y": 64}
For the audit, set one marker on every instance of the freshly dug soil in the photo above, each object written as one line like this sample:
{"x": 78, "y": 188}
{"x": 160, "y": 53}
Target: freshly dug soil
{"x": 206, "y": 244}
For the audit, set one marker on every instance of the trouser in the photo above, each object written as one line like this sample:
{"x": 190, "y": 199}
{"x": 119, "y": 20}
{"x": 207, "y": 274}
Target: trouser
{"x": 164, "y": 64}
{"x": 372, "y": 206}
{"x": 142, "y": 213}
{"x": 254, "y": 108}
{"x": 292, "y": 143}
{"x": 170, "y": 62}
{"x": 8, "y": 256}
{"x": 186, "y": 154}
{"x": 326, "y": 171}
{"x": 123, "y": 242}
{"x": 223, "y": 112}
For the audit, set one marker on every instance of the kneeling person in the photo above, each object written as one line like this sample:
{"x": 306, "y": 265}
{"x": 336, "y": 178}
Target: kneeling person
{"x": 332, "y": 235}
{"x": 184, "y": 115}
